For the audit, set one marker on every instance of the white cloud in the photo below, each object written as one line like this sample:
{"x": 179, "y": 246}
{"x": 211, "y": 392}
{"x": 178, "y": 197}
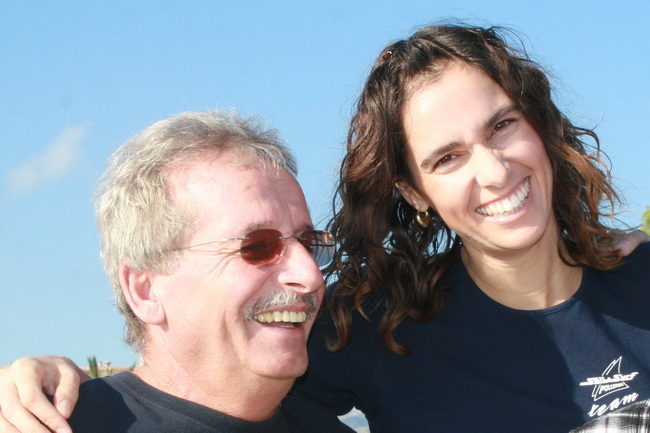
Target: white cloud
{"x": 55, "y": 163}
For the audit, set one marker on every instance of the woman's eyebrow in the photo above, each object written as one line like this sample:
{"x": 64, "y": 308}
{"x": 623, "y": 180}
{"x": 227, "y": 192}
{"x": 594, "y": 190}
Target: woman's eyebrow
{"x": 500, "y": 113}
{"x": 494, "y": 118}
{"x": 436, "y": 153}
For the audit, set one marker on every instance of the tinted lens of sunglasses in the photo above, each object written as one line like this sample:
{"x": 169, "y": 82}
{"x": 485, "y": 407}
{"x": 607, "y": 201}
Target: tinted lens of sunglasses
{"x": 262, "y": 247}
{"x": 320, "y": 245}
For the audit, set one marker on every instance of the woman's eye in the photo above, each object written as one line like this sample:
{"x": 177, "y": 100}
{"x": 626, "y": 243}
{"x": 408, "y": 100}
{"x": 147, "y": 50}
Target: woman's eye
{"x": 445, "y": 159}
{"x": 503, "y": 125}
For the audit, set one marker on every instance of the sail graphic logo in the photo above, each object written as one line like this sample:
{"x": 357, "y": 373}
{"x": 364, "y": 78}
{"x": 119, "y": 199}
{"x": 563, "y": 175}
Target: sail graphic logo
{"x": 611, "y": 381}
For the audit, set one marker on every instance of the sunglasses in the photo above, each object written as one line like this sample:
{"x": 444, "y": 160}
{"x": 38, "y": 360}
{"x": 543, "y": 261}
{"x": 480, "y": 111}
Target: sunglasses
{"x": 266, "y": 246}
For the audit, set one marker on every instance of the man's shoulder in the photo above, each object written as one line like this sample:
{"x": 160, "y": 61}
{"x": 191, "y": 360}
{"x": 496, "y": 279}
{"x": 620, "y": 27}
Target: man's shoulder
{"x": 102, "y": 405}
{"x": 107, "y": 388}
{"x": 123, "y": 403}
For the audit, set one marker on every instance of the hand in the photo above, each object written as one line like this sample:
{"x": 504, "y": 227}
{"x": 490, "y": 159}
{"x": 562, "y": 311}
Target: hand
{"x": 626, "y": 242}
{"x": 23, "y": 405}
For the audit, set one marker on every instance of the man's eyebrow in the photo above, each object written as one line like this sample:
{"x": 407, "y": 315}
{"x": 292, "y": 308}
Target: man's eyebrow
{"x": 494, "y": 118}
{"x": 252, "y": 227}
{"x": 269, "y": 225}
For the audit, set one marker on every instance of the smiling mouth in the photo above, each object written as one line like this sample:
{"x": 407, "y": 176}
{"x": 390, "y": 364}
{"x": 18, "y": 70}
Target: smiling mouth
{"x": 281, "y": 318}
{"x": 284, "y": 309}
{"x": 508, "y": 205}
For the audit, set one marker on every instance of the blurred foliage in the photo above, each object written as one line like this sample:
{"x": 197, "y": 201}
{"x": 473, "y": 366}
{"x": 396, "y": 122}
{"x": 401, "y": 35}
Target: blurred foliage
{"x": 102, "y": 369}
{"x": 96, "y": 370}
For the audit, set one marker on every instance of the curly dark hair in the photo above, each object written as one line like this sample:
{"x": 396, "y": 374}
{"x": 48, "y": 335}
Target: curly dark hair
{"x": 384, "y": 257}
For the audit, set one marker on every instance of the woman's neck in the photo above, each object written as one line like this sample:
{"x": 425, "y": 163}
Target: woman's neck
{"x": 533, "y": 279}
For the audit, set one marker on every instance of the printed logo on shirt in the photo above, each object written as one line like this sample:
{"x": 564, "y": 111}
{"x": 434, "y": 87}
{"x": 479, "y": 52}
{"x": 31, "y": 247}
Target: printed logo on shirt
{"x": 610, "y": 382}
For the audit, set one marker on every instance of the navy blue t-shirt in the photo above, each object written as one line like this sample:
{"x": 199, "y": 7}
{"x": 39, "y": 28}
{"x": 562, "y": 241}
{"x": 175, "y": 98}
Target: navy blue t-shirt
{"x": 484, "y": 367}
{"x": 124, "y": 403}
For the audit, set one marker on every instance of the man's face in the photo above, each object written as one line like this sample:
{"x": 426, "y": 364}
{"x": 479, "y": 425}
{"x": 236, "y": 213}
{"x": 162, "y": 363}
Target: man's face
{"x": 208, "y": 296}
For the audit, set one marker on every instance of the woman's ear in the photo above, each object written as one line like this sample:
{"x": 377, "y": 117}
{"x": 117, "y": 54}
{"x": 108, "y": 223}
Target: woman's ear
{"x": 411, "y": 195}
{"x": 139, "y": 292}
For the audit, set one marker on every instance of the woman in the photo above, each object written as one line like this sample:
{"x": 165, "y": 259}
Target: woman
{"x": 473, "y": 245}
{"x": 476, "y": 288}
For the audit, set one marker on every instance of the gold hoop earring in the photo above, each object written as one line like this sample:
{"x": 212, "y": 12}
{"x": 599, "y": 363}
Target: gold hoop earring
{"x": 423, "y": 219}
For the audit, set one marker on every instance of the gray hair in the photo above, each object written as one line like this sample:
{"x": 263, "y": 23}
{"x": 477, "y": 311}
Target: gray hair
{"x": 138, "y": 222}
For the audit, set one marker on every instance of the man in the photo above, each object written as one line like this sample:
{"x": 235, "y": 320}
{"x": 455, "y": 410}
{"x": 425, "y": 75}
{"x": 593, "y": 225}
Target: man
{"x": 214, "y": 262}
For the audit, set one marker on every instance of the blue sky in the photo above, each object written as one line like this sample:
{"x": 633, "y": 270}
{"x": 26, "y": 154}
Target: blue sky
{"x": 77, "y": 78}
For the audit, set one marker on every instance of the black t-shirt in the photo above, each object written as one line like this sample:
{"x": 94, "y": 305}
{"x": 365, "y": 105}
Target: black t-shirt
{"x": 483, "y": 367}
{"x": 124, "y": 403}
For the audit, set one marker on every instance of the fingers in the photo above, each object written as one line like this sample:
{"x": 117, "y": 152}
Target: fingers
{"x": 22, "y": 401}
{"x": 629, "y": 242}
{"x": 5, "y": 427}
{"x": 63, "y": 388}
{"x": 8, "y": 404}
{"x": 14, "y": 416}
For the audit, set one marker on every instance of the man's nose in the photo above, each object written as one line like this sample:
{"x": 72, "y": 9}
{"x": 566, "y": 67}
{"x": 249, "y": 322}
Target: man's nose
{"x": 300, "y": 270}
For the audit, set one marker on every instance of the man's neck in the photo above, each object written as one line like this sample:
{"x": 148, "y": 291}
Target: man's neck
{"x": 251, "y": 399}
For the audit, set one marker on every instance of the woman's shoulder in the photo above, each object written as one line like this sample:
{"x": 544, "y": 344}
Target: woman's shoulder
{"x": 632, "y": 272}
{"x": 638, "y": 260}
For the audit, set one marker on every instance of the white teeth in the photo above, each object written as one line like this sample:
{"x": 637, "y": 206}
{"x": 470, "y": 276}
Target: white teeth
{"x": 281, "y": 317}
{"x": 507, "y": 205}
{"x": 521, "y": 196}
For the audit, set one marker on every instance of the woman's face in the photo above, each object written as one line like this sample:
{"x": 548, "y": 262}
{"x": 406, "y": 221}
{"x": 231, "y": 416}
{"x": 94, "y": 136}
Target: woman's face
{"x": 477, "y": 161}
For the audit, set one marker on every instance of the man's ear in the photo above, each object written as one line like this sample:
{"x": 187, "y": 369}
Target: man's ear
{"x": 138, "y": 290}
{"x": 411, "y": 195}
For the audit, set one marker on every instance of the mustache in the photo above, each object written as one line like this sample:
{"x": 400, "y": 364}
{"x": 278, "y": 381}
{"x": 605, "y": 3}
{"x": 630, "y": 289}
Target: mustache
{"x": 281, "y": 300}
